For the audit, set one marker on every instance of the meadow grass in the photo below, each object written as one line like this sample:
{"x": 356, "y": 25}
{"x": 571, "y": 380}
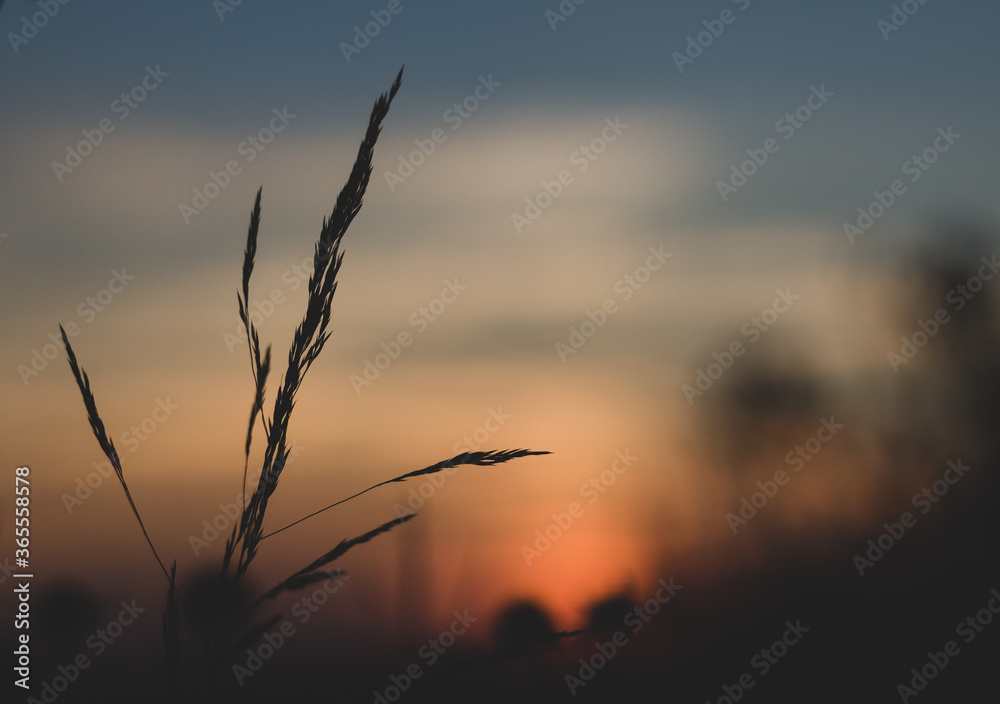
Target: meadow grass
{"x": 230, "y": 633}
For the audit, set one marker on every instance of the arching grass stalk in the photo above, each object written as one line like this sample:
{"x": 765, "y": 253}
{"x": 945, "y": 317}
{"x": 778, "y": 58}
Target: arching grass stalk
{"x": 307, "y": 342}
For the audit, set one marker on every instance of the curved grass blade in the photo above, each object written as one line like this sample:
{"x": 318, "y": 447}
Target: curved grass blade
{"x": 481, "y": 459}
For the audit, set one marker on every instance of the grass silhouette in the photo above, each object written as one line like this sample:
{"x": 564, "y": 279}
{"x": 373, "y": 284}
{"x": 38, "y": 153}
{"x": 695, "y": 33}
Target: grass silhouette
{"x": 229, "y": 634}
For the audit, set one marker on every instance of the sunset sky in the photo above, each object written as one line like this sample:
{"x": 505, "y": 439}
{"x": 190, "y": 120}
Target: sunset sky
{"x": 565, "y": 222}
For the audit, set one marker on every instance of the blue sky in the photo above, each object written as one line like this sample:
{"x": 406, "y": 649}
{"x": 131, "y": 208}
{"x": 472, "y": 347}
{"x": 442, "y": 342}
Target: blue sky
{"x": 227, "y": 74}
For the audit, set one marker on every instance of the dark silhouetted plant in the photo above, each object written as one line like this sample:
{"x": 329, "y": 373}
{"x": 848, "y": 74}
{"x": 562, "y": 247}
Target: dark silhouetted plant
{"x": 308, "y": 341}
